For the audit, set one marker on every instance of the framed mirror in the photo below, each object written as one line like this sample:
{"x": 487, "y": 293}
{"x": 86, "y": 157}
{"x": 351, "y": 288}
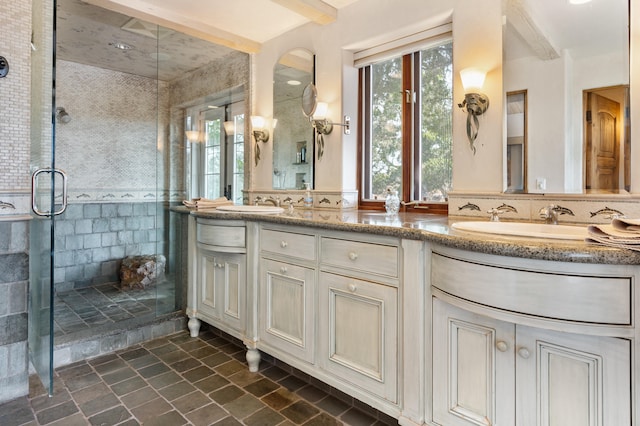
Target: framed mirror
{"x": 293, "y": 147}
{"x": 557, "y": 52}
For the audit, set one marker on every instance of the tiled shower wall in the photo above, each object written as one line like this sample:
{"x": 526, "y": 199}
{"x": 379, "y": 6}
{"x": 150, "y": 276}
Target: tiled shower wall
{"x": 15, "y": 21}
{"x": 14, "y": 280}
{"x": 92, "y": 239}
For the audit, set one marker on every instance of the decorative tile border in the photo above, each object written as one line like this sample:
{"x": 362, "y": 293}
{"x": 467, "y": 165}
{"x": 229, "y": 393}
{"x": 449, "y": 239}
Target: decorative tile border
{"x": 586, "y": 209}
{"x": 328, "y": 200}
{"x": 14, "y": 204}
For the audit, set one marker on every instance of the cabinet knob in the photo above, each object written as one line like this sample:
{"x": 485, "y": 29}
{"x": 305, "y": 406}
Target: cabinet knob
{"x": 283, "y": 269}
{"x": 524, "y": 353}
{"x": 218, "y": 265}
{"x": 352, "y": 288}
{"x": 353, "y": 255}
{"x": 502, "y": 346}
{"x": 283, "y": 244}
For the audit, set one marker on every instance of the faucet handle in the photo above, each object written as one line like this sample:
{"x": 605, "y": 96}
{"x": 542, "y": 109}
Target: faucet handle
{"x": 495, "y": 214}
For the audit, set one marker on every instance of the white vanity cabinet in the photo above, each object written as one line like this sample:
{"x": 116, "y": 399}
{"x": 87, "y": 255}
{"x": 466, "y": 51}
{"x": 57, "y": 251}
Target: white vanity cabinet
{"x": 218, "y": 287}
{"x": 530, "y": 342}
{"x": 287, "y": 293}
{"x": 358, "y": 312}
{"x": 221, "y": 298}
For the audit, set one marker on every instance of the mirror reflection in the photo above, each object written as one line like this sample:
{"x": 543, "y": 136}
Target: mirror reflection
{"x": 516, "y": 141}
{"x": 293, "y": 137}
{"x": 558, "y": 52}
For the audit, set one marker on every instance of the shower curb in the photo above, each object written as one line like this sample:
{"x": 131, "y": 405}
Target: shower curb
{"x": 86, "y": 348}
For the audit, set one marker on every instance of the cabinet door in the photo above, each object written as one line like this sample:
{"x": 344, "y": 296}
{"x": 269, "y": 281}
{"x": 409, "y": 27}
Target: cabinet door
{"x": 286, "y": 314}
{"x": 473, "y": 368}
{"x": 569, "y": 380}
{"x": 358, "y": 326}
{"x": 222, "y": 288}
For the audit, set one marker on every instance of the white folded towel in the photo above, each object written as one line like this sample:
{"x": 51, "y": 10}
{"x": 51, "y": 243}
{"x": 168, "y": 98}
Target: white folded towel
{"x": 621, "y": 233}
{"x": 204, "y": 203}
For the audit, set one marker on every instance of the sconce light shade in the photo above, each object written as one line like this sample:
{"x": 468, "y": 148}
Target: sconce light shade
{"x": 193, "y": 136}
{"x": 475, "y": 102}
{"x": 229, "y": 128}
{"x": 322, "y": 108}
{"x": 472, "y": 79}
{"x": 257, "y": 122}
{"x": 319, "y": 119}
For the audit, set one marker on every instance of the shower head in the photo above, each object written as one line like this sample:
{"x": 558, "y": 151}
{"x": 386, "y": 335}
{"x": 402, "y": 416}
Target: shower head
{"x": 62, "y": 115}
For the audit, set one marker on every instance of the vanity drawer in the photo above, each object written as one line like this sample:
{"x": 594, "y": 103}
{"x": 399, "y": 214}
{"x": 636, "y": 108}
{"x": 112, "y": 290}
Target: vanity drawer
{"x": 301, "y": 246}
{"x": 360, "y": 256}
{"x": 220, "y": 235}
{"x": 571, "y": 297}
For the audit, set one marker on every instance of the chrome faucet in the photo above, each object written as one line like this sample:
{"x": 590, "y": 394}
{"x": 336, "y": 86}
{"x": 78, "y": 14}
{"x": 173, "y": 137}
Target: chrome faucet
{"x": 551, "y": 212}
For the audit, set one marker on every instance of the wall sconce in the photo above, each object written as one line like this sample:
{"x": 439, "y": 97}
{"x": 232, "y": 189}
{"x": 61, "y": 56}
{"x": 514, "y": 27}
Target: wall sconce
{"x": 475, "y": 102}
{"x": 319, "y": 119}
{"x": 260, "y": 127}
{"x": 62, "y": 115}
{"x": 324, "y": 127}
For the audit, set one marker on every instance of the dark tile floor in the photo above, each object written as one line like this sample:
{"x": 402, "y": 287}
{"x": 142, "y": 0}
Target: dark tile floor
{"x": 179, "y": 380}
{"x": 103, "y": 305}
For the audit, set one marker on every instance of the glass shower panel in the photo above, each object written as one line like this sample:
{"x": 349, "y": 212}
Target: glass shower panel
{"x": 41, "y": 243}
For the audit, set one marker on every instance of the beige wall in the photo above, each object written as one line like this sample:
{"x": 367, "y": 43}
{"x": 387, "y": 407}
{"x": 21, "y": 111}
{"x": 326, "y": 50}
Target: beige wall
{"x": 477, "y": 34}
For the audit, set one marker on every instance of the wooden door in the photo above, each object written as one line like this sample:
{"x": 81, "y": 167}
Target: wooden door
{"x": 602, "y": 144}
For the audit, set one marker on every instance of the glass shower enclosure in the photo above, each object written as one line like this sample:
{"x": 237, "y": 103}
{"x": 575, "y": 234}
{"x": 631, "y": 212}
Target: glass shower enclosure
{"x": 100, "y": 114}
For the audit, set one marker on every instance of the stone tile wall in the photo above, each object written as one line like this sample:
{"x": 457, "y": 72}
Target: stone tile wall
{"x": 14, "y": 280}
{"x": 92, "y": 239}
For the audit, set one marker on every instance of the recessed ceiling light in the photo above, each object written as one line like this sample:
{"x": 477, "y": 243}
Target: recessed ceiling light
{"x": 579, "y": 1}
{"x": 120, "y": 45}
{"x": 294, "y": 83}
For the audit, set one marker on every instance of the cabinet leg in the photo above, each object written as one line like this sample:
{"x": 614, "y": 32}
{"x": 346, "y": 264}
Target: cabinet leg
{"x": 194, "y": 326}
{"x": 253, "y": 359}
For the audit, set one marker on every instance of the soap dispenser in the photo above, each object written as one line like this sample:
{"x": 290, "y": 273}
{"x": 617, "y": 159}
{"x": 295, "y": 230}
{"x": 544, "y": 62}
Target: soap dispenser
{"x": 392, "y": 202}
{"x": 308, "y": 198}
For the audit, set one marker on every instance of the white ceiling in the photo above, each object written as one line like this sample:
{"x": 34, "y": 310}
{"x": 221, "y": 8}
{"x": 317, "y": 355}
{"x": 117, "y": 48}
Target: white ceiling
{"x": 208, "y": 30}
{"x": 593, "y": 28}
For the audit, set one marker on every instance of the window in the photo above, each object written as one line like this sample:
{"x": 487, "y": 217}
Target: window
{"x": 406, "y": 112}
{"x": 217, "y": 157}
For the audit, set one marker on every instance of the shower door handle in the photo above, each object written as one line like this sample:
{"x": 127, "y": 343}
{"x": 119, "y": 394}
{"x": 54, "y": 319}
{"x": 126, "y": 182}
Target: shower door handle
{"x": 34, "y": 181}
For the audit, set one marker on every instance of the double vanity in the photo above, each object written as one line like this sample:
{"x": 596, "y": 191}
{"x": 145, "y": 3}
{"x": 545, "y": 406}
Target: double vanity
{"x": 425, "y": 322}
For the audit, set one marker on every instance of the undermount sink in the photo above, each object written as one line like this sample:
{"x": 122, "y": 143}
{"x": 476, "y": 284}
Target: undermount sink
{"x": 521, "y": 229}
{"x": 251, "y": 209}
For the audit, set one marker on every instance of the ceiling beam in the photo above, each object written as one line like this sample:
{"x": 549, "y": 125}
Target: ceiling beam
{"x": 523, "y": 23}
{"x": 149, "y": 12}
{"x": 316, "y": 10}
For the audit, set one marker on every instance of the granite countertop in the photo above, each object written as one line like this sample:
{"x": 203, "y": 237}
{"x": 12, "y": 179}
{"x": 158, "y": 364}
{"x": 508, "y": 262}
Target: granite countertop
{"x": 436, "y": 229}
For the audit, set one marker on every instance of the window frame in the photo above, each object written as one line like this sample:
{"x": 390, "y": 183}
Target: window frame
{"x": 411, "y": 115}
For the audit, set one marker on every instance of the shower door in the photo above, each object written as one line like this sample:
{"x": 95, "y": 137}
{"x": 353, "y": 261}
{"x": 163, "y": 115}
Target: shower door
{"x": 44, "y": 182}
